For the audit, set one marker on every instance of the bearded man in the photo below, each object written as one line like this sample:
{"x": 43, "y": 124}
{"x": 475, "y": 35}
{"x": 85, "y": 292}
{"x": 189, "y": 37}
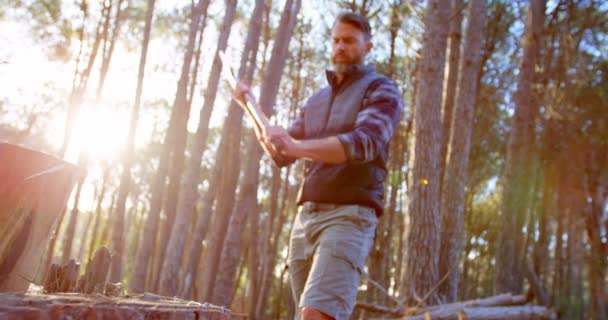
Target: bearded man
{"x": 342, "y": 133}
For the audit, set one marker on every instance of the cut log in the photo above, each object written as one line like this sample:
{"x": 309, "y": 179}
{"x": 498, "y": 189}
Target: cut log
{"x": 34, "y": 188}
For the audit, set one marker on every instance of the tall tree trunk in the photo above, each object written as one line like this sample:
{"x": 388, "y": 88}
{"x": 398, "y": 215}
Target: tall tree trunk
{"x": 79, "y": 87}
{"x": 136, "y": 283}
{"x": 597, "y": 180}
{"x": 200, "y": 231}
{"x": 455, "y": 178}
{"x": 275, "y": 231}
{"x": 169, "y": 273}
{"x": 247, "y": 206}
{"x": 423, "y": 237}
{"x": 109, "y": 50}
{"x": 235, "y": 115}
{"x": 74, "y": 100}
{"x": 451, "y": 80}
{"x": 465, "y": 284}
{"x": 73, "y": 221}
{"x": 519, "y": 163}
{"x": 179, "y": 111}
{"x": 380, "y": 256}
{"x": 223, "y": 209}
{"x": 98, "y": 213}
{"x": 178, "y": 144}
{"x": 548, "y": 205}
{"x": 269, "y": 90}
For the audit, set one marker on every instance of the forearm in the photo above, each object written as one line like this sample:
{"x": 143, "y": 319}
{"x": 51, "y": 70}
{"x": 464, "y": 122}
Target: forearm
{"x": 328, "y": 150}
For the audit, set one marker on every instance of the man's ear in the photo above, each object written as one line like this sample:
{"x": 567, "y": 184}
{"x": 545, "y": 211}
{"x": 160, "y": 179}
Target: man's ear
{"x": 368, "y": 46}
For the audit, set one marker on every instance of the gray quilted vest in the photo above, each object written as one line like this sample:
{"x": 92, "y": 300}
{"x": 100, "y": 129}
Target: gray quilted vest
{"x": 328, "y": 113}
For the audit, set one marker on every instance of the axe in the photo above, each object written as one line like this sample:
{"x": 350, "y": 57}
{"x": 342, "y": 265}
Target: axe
{"x": 250, "y": 105}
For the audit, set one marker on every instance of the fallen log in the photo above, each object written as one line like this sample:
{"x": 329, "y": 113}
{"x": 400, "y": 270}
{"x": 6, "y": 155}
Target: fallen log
{"x": 503, "y": 306}
{"x": 487, "y": 313}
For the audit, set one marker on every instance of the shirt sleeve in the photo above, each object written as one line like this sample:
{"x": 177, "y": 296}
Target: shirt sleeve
{"x": 296, "y": 128}
{"x": 375, "y": 124}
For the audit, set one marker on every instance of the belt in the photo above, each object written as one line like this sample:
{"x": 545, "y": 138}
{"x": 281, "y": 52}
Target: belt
{"x": 312, "y": 206}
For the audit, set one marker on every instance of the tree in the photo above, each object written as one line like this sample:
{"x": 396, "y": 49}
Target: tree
{"x": 136, "y": 284}
{"x": 454, "y": 40}
{"x": 455, "y": 178}
{"x": 225, "y": 281}
{"x": 168, "y": 283}
{"x": 517, "y": 181}
{"x": 423, "y": 236}
{"x": 142, "y": 259}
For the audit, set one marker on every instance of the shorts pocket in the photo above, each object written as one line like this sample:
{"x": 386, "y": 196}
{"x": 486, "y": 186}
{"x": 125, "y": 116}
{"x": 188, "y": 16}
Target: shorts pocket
{"x": 353, "y": 253}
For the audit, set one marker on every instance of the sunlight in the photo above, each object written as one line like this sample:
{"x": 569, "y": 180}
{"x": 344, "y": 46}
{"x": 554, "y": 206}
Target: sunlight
{"x": 101, "y": 132}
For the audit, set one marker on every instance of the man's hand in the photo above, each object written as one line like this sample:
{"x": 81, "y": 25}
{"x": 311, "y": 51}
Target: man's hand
{"x": 241, "y": 90}
{"x": 280, "y": 140}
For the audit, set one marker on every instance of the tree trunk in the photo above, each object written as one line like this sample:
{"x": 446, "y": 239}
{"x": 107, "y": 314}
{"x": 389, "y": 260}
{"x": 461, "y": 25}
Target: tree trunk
{"x": 455, "y": 178}
{"x": 178, "y": 145}
{"x": 76, "y": 97}
{"x": 275, "y": 231}
{"x": 98, "y": 213}
{"x": 136, "y": 283}
{"x": 454, "y": 39}
{"x": 423, "y": 236}
{"x": 228, "y": 252}
{"x": 171, "y": 258}
{"x": 548, "y": 205}
{"x": 180, "y": 110}
{"x": 519, "y": 163}
{"x": 597, "y": 180}
{"x": 223, "y": 209}
{"x": 200, "y": 231}
{"x": 72, "y": 222}
{"x": 80, "y": 79}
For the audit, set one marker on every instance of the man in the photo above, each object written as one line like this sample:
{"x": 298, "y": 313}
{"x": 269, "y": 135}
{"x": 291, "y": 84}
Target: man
{"x": 343, "y": 133}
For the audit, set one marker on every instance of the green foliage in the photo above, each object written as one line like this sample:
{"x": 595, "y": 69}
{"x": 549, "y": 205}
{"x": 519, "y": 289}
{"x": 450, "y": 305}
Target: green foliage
{"x": 50, "y": 25}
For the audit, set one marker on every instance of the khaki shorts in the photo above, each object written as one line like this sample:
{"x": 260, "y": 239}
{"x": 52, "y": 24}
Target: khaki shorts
{"x": 328, "y": 247}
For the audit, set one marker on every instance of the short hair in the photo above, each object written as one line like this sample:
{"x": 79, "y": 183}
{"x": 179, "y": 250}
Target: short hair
{"x": 357, "y": 20}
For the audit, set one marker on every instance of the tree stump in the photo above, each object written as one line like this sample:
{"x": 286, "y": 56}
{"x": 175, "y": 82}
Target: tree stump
{"x": 80, "y": 306}
{"x": 34, "y": 189}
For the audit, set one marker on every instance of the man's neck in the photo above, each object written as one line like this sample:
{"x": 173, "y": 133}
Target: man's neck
{"x": 340, "y": 77}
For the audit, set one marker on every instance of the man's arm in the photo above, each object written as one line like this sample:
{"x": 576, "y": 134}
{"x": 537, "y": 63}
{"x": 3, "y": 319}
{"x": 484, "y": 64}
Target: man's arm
{"x": 374, "y": 127}
{"x": 328, "y": 150}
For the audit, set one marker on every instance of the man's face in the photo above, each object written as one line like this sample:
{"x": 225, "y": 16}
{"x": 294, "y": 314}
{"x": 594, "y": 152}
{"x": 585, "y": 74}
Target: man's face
{"x": 348, "y": 46}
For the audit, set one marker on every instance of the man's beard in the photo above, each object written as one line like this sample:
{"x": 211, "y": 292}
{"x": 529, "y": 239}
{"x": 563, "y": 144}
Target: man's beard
{"x": 343, "y": 66}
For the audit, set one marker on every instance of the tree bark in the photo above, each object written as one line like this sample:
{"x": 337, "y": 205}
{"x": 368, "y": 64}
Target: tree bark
{"x": 451, "y": 79}
{"x": 516, "y": 181}
{"x": 423, "y": 236}
{"x": 180, "y": 110}
{"x": 81, "y": 78}
{"x": 180, "y": 136}
{"x": 228, "y": 252}
{"x": 455, "y": 178}
{"x": 597, "y": 178}
{"x": 169, "y": 272}
{"x": 136, "y": 283}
